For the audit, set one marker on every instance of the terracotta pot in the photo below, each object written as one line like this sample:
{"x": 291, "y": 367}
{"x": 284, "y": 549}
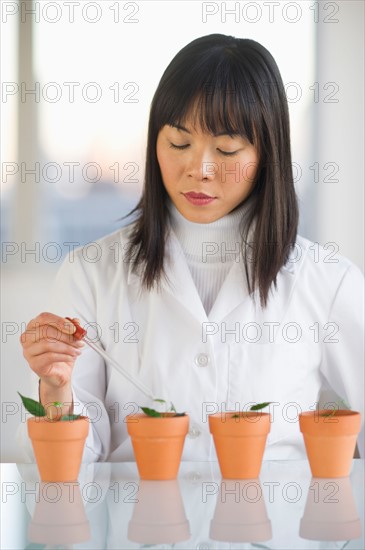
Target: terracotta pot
{"x": 330, "y": 511}
{"x": 58, "y": 447}
{"x": 157, "y": 444}
{"x": 330, "y": 441}
{"x": 159, "y": 515}
{"x": 59, "y": 516}
{"x": 240, "y": 513}
{"x": 240, "y": 442}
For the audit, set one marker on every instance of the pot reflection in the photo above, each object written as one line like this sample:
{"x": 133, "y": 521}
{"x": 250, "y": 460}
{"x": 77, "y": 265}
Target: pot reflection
{"x": 330, "y": 511}
{"x": 59, "y": 516}
{"x": 159, "y": 515}
{"x": 240, "y": 513}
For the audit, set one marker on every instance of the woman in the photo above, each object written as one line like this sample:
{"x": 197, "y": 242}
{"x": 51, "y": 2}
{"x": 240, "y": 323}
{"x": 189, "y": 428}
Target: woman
{"x": 209, "y": 296}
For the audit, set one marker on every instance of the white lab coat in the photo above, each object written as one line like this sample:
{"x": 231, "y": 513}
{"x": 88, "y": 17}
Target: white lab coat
{"x": 310, "y": 337}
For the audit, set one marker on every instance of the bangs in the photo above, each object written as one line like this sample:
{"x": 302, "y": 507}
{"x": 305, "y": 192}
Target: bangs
{"x": 216, "y": 102}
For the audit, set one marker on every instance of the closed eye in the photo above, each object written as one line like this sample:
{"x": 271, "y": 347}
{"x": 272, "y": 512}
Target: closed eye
{"x": 228, "y": 154}
{"x": 178, "y": 146}
{"x": 225, "y": 153}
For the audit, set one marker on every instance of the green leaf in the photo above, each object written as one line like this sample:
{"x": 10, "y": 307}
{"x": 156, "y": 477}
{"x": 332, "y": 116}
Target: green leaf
{"x": 160, "y": 400}
{"x": 33, "y": 407}
{"x": 151, "y": 412}
{"x": 332, "y": 412}
{"x": 70, "y": 417}
{"x": 259, "y": 406}
{"x": 57, "y": 404}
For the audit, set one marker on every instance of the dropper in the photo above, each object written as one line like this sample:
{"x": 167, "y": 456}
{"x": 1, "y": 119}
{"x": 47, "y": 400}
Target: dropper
{"x": 81, "y": 334}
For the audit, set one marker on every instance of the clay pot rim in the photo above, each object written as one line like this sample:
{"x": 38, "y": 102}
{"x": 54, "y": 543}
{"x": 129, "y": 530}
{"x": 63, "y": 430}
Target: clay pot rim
{"x": 326, "y": 413}
{"x": 45, "y": 419}
{"x": 158, "y": 533}
{"x": 240, "y": 532}
{"x": 131, "y": 418}
{"x": 322, "y": 424}
{"x": 242, "y": 414}
{"x": 252, "y": 425}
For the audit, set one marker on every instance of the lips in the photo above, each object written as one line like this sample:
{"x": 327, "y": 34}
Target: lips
{"x": 198, "y": 199}
{"x": 194, "y": 195}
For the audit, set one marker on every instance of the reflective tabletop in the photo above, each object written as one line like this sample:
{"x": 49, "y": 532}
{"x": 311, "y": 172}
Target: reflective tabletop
{"x": 110, "y": 507}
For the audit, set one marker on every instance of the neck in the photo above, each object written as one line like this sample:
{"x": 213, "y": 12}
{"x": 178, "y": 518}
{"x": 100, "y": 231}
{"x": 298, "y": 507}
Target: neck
{"x": 214, "y": 242}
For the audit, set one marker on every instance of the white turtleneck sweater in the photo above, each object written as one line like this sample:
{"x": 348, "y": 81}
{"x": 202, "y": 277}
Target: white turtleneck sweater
{"x": 210, "y": 249}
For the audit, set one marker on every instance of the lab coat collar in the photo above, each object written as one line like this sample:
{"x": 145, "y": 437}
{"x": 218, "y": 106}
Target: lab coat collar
{"x": 179, "y": 283}
{"x": 177, "y": 280}
{"x": 233, "y": 293}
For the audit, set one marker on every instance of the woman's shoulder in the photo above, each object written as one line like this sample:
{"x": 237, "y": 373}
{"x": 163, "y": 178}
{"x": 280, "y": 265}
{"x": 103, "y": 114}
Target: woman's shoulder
{"x": 92, "y": 274}
{"x": 103, "y": 258}
{"x": 324, "y": 262}
{"x": 121, "y": 235}
{"x": 106, "y": 247}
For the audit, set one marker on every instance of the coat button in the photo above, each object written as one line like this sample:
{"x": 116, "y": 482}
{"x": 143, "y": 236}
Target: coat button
{"x": 202, "y": 359}
{"x": 194, "y": 432}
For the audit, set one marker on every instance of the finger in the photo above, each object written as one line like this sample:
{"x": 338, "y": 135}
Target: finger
{"x": 45, "y": 318}
{"x": 47, "y": 333}
{"x": 50, "y": 347}
{"x": 79, "y": 332}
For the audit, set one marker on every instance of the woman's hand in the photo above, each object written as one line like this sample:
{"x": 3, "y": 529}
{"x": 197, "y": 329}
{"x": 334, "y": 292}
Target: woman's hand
{"x": 51, "y": 351}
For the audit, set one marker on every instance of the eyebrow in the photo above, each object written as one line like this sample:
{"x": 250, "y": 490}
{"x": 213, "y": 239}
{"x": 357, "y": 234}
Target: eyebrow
{"x": 183, "y": 129}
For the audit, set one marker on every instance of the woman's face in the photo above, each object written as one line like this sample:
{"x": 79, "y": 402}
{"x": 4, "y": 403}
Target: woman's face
{"x": 205, "y": 176}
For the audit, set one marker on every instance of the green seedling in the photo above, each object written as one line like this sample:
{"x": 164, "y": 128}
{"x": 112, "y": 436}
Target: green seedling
{"x": 36, "y": 409}
{"x": 170, "y": 411}
{"x": 257, "y": 407}
{"x": 333, "y": 411}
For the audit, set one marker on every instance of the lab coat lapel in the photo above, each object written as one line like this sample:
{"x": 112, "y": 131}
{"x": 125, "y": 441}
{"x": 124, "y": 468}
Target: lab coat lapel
{"x": 178, "y": 282}
{"x": 233, "y": 293}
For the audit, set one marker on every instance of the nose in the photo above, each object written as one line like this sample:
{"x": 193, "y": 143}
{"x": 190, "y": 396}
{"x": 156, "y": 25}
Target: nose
{"x": 202, "y": 167}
